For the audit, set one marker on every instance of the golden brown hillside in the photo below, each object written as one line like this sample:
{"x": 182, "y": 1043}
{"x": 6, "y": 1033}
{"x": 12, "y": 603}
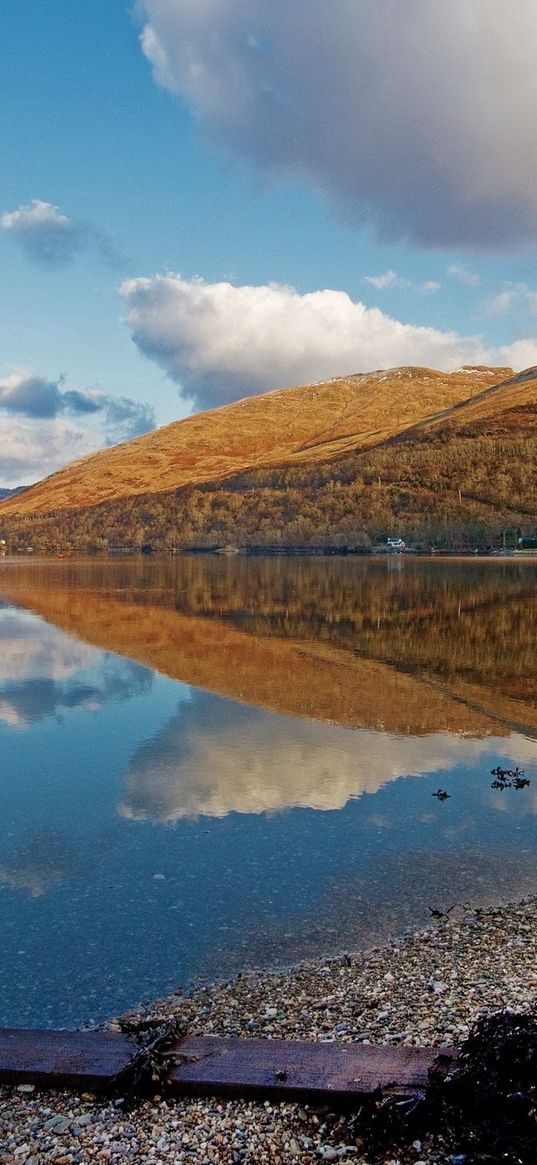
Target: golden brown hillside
{"x": 507, "y": 407}
{"x": 302, "y": 425}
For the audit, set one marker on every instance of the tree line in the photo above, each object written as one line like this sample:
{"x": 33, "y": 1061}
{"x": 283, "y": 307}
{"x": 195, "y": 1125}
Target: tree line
{"x": 450, "y": 490}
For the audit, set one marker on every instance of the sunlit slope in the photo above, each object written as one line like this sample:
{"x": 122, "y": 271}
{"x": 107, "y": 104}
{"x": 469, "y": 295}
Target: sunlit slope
{"x": 508, "y": 407}
{"x": 294, "y": 425}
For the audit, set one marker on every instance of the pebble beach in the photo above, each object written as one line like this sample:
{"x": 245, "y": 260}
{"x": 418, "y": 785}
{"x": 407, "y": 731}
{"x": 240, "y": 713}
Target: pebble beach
{"x": 424, "y": 988}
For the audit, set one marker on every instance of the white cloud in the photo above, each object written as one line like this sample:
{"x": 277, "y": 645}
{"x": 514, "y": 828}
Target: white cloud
{"x": 32, "y": 649}
{"x": 518, "y": 355}
{"x": 515, "y": 296}
{"x": 34, "y": 396}
{"x": 51, "y": 238}
{"x": 418, "y": 115}
{"x": 31, "y": 450}
{"x": 244, "y": 760}
{"x": 389, "y": 279}
{"x": 44, "y": 425}
{"x": 500, "y": 304}
{"x": 392, "y": 279}
{"x": 46, "y": 235}
{"x": 464, "y": 275}
{"x": 222, "y": 342}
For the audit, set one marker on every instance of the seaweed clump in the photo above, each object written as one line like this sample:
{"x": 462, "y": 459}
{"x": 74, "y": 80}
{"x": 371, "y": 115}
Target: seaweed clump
{"x": 154, "y": 1056}
{"x": 509, "y": 778}
{"x": 484, "y": 1110}
{"x": 488, "y": 1106}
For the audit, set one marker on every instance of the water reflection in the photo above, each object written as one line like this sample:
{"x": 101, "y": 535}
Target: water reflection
{"x": 27, "y": 655}
{"x": 46, "y": 673}
{"x": 215, "y": 757}
{"x": 209, "y": 764}
{"x": 38, "y": 862}
{"x": 432, "y": 648}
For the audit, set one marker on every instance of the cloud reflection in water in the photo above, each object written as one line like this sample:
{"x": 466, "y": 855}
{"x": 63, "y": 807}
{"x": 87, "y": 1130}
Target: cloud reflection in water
{"x": 215, "y": 757}
{"x": 44, "y": 672}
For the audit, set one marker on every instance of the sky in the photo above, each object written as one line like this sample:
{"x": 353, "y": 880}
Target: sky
{"x": 205, "y": 199}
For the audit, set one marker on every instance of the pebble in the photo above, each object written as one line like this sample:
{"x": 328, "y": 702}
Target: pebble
{"x": 424, "y": 988}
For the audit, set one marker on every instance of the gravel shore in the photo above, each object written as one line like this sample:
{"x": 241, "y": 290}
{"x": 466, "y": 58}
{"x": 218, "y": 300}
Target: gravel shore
{"x": 425, "y": 988}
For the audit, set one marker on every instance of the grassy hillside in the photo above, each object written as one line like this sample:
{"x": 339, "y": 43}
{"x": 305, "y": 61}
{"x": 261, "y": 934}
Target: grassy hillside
{"x": 300, "y": 426}
{"x": 457, "y": 478}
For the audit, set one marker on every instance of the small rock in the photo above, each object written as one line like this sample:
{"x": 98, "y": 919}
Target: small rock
{"x": 57, "y": 1124}
{"x": 437, "y": 986}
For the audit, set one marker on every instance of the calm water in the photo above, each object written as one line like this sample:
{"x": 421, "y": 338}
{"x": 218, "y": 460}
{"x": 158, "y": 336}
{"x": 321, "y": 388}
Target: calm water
{"x": 210, "y": 764}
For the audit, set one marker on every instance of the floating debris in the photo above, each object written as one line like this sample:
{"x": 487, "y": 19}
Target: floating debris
{"x": 441, "y": 795}
{"x": 436, "y": 913}
{"x": 508, "y": 778}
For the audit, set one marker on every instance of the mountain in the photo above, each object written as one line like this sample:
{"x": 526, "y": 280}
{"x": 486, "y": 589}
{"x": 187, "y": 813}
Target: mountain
{"x": 507, "y": 407}
{"x": 9, "y": 493}
{"x": 443, "y": 459}
{"x": 294, "y": 425}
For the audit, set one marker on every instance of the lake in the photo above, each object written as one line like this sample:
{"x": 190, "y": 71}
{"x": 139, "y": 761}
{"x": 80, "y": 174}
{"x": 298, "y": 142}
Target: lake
{"x": 210, "y": 764}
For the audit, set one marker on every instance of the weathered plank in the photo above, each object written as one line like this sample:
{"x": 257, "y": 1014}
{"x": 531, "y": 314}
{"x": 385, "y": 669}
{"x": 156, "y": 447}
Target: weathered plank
{"x": 296, "y": 1069}
{"x": 62, "y": 1059}
{"x": 212, "y": 1065}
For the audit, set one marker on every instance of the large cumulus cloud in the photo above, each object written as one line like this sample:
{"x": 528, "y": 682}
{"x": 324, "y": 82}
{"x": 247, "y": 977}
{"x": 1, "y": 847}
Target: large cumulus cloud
{"x": 419, "y": 115}
{"x": 221, "y": 342}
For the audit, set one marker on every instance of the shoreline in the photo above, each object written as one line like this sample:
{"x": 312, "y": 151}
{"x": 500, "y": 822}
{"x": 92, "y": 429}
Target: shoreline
{"x": 424, "y": 988}
{"x": 18, "y": 558}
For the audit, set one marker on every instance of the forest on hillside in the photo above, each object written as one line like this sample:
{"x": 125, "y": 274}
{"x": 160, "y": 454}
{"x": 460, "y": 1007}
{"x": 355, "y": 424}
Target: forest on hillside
{"x": 453, "y": 490}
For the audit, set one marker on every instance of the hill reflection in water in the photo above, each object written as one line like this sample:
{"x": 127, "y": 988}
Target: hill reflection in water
{"x": 483, "y": 613}
{"x": 405, "y": 649}
{"x": 213, "y": 763}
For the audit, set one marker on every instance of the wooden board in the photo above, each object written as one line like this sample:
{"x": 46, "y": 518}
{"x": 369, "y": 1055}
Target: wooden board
{"x": 212, "y": 1065}
{"x": 62, "y": 1059}
{"x": 296, "y": 1069}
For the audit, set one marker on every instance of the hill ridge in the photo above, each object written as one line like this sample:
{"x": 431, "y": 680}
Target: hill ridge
{"x": 297, "y": 425}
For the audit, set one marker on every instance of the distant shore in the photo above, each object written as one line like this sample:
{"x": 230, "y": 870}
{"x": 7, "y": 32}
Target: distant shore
{"x": 424, "y": 988}
{"x": 375, "y": 553}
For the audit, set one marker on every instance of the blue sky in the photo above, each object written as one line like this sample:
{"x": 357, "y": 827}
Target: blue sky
{"x": 283, "y": 192}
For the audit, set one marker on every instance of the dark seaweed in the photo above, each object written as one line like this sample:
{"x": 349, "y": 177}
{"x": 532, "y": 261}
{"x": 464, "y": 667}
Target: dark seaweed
{"x": 485, "y": 1110}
